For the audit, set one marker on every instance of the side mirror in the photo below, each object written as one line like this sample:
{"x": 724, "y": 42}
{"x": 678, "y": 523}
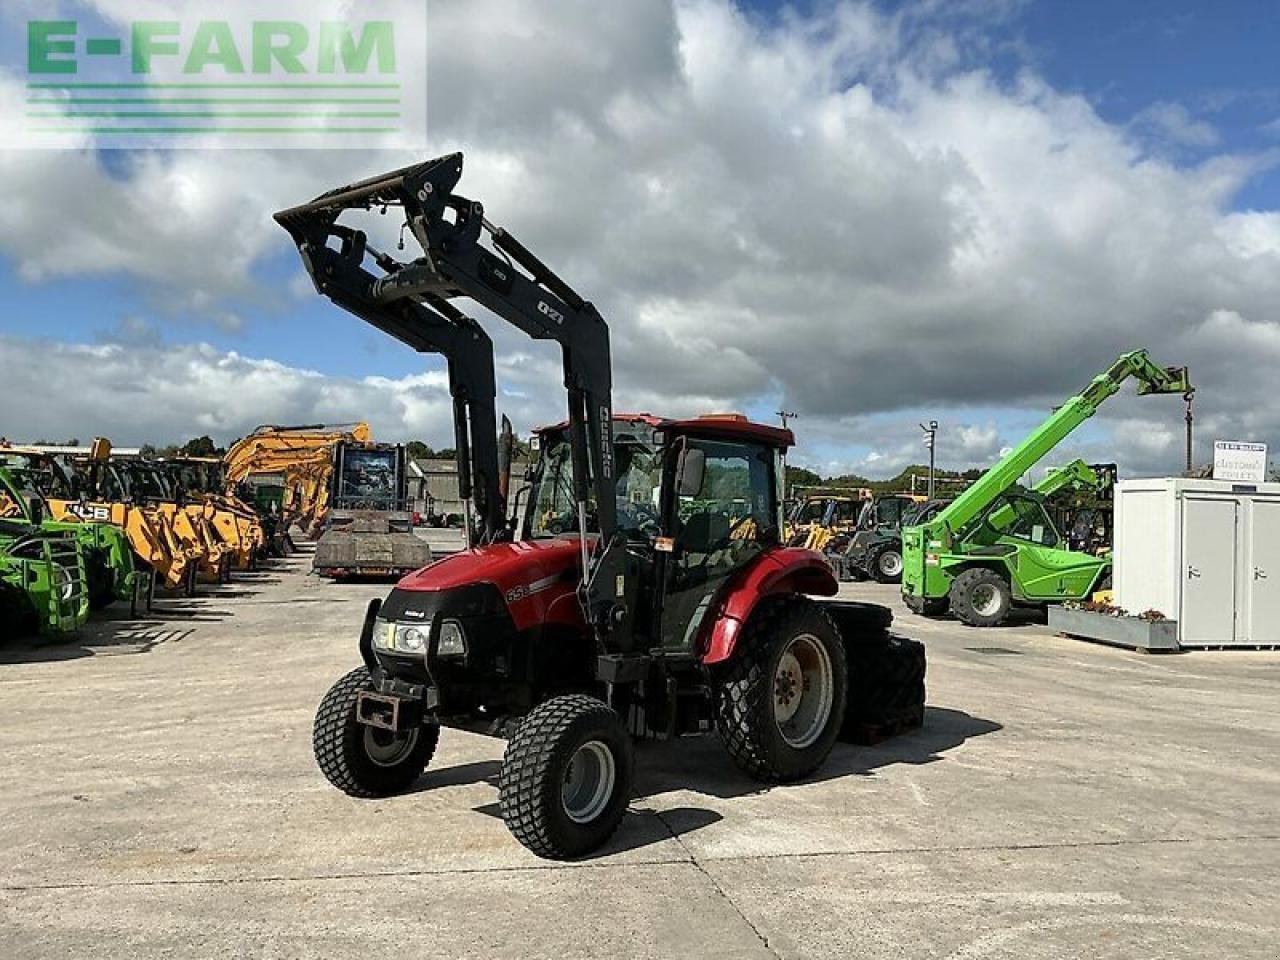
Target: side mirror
{"x": 35, "y": 511}
{"x": 691, "y": 471}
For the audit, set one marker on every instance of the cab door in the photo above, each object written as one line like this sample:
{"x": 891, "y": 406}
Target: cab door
{"x": 717, "y": 531}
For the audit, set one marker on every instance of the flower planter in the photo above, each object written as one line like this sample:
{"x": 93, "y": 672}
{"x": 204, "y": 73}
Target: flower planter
{"x": 1131, "y": 632}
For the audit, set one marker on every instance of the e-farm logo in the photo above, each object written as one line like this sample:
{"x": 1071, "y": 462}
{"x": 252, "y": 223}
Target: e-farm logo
{"x": 348, "y": 75}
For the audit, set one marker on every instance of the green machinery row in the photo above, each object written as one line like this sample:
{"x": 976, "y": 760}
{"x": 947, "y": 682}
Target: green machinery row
{"x": 996, "y": 546}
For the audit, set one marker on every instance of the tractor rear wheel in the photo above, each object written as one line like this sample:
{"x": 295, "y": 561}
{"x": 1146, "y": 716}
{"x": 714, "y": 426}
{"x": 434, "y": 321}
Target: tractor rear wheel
{"x": 780, "y": 700}
{"x": 364, "y": 761}
{"x": 885, "y": 563}
{"x": 981, "y": 597}
{"x": 566, "y": 777}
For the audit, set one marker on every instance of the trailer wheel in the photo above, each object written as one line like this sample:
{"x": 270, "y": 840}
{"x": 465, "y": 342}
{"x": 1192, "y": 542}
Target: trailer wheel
{"x": 364, "y": 761}
{"x": 781, "y": 699}
{"x": 886, "y": 563}
{"x": 981, "y": 597}
{"x": 566, "y": 777}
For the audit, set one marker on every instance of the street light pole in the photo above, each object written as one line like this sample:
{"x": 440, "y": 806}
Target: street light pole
{"x": 930, "y": 436}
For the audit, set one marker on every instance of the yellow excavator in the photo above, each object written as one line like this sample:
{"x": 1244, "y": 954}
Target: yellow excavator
{"x": 299, "y": 459}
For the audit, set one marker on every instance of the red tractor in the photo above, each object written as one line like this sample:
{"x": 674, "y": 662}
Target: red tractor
{"x": 643, "y": 591}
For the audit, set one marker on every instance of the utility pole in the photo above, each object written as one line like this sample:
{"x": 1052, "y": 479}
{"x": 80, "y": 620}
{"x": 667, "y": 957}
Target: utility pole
{"x": 1189, "y": 397}
{"x": 785, "y": 416}
{"x": 930, "y": 436}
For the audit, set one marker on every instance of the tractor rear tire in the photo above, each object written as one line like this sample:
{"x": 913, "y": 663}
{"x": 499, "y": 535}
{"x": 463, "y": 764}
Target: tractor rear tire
{"x": 566, "y": 777}
{"x": 364, "y": 761}
{"x": 886, "y": 688}
{"x": 780, "y": 700}
{"x": 981, "y": 597}
{"x": 885, "y": 563}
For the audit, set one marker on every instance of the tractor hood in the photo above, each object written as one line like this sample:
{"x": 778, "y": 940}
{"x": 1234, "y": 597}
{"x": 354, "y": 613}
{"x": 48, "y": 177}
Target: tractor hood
{"x": 506, "y": 565}
{"x": 536, "y": 579}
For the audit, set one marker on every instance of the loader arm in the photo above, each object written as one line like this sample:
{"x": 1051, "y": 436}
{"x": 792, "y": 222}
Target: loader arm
{"x": 511, "y": 283}
{"x": 426, "y": 322}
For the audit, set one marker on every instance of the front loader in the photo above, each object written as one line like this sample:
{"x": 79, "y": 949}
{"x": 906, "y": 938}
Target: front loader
{"x": 996, "y": 546}
{"x": 657, "y": 598}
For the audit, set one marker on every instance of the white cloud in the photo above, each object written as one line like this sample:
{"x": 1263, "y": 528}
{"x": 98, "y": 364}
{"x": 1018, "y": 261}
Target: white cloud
{"x": 1174, "y": 123}
{"x": 843, "y": 211}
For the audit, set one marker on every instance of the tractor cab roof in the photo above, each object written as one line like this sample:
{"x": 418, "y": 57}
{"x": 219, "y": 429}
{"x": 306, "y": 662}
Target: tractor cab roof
{"x": 730, "y": 426}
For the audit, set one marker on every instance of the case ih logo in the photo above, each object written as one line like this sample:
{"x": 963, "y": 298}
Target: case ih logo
{"x": 283, "y": 73}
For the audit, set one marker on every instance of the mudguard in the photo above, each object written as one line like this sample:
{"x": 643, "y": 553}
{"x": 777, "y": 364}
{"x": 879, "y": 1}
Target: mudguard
{"x": 776, "y": 571}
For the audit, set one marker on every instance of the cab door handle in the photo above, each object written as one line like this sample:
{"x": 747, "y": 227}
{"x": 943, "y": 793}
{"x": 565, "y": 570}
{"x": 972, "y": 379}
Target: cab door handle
{"x": 1192, "y": 572}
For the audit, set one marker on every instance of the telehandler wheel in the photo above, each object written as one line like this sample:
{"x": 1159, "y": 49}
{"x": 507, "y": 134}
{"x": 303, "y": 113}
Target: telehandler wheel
{"x": 364, "y": 761}
{"x": 981, "y": 597}
{"x": 780, "y": 700}
{"x": 885, "y": 563}
{"x": 566, "y": 777}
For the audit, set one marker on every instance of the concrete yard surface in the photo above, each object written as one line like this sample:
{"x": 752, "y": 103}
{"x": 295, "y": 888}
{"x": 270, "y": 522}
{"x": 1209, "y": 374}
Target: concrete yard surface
{"x": 158, "y": 798}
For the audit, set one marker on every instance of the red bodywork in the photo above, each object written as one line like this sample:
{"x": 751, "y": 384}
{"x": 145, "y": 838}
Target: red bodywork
{"x": 539, "y": 579}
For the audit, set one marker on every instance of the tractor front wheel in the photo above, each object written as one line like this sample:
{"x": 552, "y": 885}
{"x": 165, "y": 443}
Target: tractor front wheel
{"x": 780, "y": 700}
{"x": 566, "y": 777}
{"x": 364, "y": 761}
{"x": 981, "y": 597}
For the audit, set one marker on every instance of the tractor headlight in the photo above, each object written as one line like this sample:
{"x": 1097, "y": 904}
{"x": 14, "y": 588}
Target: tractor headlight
{"x": 411, "y": 639}
{"x": 384, "y": 632}
{"x": 453, "y": 642}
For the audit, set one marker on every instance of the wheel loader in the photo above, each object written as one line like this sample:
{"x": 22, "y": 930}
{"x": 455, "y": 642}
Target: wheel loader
{"x": 628, "y": 604}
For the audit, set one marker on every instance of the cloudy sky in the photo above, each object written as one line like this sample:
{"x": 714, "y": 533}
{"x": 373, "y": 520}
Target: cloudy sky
{"x": 866, "y": 213}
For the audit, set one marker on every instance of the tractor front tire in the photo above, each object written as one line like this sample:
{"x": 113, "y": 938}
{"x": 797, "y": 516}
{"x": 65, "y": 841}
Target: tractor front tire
{"x": 364, "y": 761}
{"x": 981, "y": 597}
{"x": 780, "y": 700}
{"x": 566, "y": 777}
{"x": 885, "y": 563}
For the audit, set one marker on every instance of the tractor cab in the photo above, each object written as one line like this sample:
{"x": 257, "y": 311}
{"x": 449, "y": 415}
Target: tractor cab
{"x": 697, "y": 501}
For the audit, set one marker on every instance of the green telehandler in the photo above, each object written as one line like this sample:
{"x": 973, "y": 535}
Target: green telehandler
{"x": 43, "y": 584}
{"x": 111, "y": 569}
{"x": 995, "y": 545}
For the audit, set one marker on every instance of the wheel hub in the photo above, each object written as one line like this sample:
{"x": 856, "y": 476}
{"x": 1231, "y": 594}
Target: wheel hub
{"x": 803, "y": 691}
{"x": 386, "y": 749}
{"x": 589, "y": 780}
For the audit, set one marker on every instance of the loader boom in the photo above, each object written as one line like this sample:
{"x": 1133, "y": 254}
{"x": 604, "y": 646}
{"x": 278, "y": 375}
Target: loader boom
{"x": 412, "y": 302}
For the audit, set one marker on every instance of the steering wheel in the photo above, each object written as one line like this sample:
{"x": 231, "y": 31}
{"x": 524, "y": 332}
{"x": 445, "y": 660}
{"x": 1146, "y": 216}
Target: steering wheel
{"x": 643, "y": 517}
